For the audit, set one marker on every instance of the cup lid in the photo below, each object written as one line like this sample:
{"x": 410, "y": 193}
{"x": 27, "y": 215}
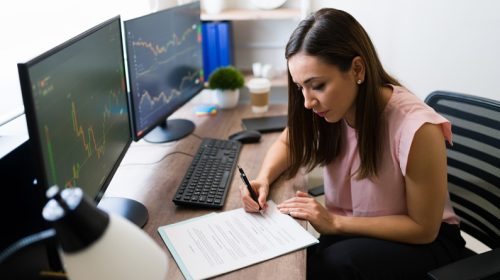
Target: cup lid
{"x": 259, "y": 84}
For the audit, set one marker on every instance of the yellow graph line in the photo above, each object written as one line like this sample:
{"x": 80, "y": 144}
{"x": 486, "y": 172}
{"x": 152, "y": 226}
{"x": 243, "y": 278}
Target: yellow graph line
{"x": 175, "y": 41}
{"x": 155, "y": 65}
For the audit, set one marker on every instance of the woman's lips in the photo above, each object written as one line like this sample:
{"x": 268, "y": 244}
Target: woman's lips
{"x": 321, "y": 114}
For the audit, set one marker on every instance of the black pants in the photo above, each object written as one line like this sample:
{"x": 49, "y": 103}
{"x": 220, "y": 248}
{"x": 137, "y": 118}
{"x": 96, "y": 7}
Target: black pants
{"x": 350, "y": 257}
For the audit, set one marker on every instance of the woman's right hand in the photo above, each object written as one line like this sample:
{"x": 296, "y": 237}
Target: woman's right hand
{"x": 261, "y": 188}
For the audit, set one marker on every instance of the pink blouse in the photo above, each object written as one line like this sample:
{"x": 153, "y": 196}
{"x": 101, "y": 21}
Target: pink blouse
{"x": 384, "y": 195}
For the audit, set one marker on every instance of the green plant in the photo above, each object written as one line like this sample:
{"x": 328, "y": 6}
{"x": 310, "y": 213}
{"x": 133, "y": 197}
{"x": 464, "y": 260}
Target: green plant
{"x": 226, "y": 78}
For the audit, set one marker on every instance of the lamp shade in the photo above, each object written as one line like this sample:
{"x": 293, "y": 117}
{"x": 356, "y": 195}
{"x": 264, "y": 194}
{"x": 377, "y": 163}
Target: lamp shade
{"x": 98, "y": 245}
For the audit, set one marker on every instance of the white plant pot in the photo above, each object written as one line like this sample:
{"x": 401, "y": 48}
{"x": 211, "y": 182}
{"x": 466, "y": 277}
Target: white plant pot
{"x": 226, "y": 99}
{"x": 213, "y": 6}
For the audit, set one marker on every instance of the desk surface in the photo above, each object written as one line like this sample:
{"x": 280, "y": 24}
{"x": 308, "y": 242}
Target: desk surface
{"x": 150, "y": 173}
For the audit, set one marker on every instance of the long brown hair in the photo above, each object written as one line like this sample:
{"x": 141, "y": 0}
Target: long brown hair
{"x": 336, "y": 38}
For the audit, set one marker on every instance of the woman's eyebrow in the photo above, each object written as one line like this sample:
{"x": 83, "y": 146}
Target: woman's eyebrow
{"x": 310, "y": 80}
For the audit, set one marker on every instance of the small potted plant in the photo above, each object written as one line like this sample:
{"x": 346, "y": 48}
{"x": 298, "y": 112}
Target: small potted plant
{"x": 226, "y": 83}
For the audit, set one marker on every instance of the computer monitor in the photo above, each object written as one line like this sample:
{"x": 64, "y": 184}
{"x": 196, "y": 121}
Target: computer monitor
{"x": 76, "y": 109}
{"x": 165, "y": 70}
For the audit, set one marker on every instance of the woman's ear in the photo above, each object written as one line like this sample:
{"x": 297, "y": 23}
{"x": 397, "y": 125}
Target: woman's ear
{"x": 358, "y": 69}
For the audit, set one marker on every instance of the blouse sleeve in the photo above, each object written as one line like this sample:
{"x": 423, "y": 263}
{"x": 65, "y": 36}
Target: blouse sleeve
{"x": 410, "y": 128}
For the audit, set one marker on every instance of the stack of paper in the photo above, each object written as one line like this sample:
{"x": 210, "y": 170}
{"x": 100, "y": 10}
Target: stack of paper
{"x": 217, "y": 243}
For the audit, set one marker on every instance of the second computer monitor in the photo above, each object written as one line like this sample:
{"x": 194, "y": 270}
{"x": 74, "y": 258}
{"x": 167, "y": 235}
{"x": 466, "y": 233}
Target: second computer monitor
{"x": 165, "y": 63}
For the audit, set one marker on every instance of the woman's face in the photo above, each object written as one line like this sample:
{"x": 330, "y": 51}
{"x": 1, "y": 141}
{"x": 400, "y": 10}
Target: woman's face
{"x": 329, "y": 92}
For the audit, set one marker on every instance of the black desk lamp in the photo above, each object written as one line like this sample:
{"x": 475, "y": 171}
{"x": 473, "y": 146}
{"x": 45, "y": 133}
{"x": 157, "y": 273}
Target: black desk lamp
{"x": 94, "y": 244}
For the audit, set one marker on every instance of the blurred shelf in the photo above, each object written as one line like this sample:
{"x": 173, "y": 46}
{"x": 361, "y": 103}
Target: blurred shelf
{"x": 250, "y": 14}
{"x": 279, "y": 80}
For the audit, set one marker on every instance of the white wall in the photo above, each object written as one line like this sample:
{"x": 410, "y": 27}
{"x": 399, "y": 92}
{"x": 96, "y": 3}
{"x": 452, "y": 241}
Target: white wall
{"x": 427, "y": 44}
{"x": 31, "y": 27}
{"x": 434, "y": 44}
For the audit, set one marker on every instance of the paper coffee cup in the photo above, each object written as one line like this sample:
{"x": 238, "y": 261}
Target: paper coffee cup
{"x": 259, "y": 89}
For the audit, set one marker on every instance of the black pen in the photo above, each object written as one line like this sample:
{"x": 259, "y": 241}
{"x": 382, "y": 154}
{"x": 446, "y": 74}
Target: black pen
{"x": 249, "y": 187}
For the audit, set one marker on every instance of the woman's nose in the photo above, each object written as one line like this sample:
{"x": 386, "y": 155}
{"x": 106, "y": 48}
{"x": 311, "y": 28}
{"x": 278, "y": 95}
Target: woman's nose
{"x": 309, "y": 101}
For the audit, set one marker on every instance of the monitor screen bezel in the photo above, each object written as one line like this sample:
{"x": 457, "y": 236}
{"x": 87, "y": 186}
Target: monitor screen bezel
{"x": 30, "y": 109}
{"x": 161, "y": 118}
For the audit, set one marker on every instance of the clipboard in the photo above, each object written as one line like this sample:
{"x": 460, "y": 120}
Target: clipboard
{"x": 265, "y": 124}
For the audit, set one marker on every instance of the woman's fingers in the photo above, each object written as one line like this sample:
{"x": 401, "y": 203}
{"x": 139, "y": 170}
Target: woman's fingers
{"x": 249, "y": 204}
{"x": 301, "y": 194}
{"x": 262, "y": 200}
{"x": 296, "y": 200}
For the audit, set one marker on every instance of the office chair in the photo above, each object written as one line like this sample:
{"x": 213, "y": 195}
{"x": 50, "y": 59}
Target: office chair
{"x": 473, "y": 180}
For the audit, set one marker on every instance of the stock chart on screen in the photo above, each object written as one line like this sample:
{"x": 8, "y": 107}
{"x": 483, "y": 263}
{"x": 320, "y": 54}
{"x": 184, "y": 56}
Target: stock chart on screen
{"x": 80, "y": 107}
{"x": 164, "y": 62}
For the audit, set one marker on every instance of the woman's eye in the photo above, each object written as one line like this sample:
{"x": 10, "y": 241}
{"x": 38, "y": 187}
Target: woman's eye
{"x": 318, "y": 87}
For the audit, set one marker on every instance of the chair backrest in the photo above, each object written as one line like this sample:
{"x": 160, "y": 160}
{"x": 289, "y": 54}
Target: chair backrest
{"x": 473, "y": 162}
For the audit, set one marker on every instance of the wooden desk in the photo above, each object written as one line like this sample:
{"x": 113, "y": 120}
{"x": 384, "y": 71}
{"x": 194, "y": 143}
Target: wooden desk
{"x": 151, "y": 173}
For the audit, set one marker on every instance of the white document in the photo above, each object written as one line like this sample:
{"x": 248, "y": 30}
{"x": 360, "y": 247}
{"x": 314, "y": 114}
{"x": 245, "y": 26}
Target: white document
{"x": 214, "y": 244}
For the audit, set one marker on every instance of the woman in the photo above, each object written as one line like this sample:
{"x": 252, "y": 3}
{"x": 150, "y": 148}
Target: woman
{"x": 387, "y": 214}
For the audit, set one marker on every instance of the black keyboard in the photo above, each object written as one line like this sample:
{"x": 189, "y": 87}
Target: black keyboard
{"x": 208, "y": 178}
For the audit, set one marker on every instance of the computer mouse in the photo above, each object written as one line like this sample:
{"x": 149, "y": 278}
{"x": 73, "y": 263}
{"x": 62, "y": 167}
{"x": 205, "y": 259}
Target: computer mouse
{"x": 246, "y": 136}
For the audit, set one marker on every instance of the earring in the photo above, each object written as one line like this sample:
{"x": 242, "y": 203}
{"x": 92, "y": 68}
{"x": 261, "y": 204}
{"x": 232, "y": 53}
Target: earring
{"x": 359, "y": 82}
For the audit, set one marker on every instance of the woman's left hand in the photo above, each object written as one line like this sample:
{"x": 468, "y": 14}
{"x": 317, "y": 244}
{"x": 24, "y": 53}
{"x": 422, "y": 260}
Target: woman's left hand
{"x": 302, "y": 206}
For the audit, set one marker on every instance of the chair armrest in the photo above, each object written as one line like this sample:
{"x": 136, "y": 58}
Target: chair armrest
{"x": 474, "y": 267}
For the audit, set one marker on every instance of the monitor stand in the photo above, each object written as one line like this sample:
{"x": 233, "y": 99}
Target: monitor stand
{"x": 170, "y": 130}
{"x": 130, "y": 209}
